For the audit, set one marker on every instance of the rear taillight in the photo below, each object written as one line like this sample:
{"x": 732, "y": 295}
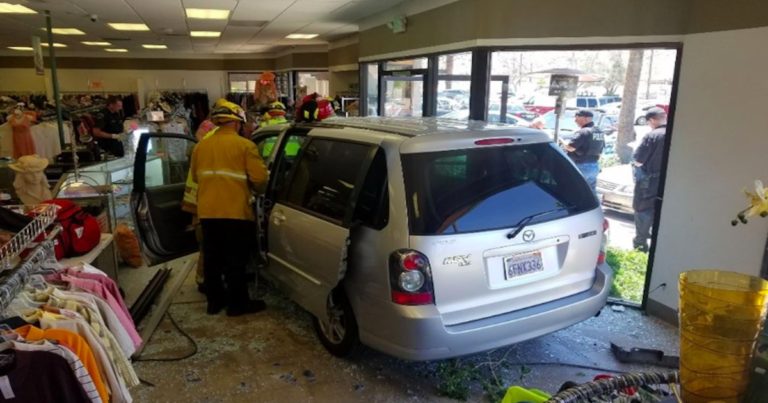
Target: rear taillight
{"x": 410, "y": 278}
{"x": 604, "y": 242}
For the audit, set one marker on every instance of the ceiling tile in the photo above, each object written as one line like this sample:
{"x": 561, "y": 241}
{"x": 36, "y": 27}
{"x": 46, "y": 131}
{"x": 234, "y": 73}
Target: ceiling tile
{"x": 260, "y": 10}
{"x": 207, "y": 25}
{"x": 111, "y": 11}
{"x": 218, "y": 4}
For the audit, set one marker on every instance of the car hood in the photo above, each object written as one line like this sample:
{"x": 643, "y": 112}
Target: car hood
{"x": 621, "y": 174}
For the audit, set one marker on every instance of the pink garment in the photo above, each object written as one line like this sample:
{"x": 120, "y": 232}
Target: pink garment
{"x": 105, "y": 281}
{"x": 23, "y": 144}
{"x": 98, "y": 289}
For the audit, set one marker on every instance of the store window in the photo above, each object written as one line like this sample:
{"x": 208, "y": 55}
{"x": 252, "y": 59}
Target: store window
{"x": 409, "y": 64}
{"x": 453, "y": 85}
{"x": 243, "y": 82}
{"x": 312, "y": 82}
{"x": 372, "y": 88}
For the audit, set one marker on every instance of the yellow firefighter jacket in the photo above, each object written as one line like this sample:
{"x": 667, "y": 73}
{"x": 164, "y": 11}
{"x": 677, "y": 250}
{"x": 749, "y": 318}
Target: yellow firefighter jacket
{"x": 224, "y": 165}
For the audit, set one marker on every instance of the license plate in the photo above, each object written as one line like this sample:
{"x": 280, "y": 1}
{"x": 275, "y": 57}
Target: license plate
{"x": 520, "y": 265}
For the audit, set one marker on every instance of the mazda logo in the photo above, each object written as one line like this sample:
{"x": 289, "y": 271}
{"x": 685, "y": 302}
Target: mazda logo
{"x": 529, "y": 235}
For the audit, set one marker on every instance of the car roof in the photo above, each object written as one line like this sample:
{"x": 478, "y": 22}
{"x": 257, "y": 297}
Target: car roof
{"x": 424, "y": 134}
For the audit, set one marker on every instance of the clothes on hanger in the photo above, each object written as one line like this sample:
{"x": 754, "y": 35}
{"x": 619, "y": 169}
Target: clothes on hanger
{"x": 81, "y": 310}
{"x": 21, "y": 124}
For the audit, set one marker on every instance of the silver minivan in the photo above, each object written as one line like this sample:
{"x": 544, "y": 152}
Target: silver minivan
{"x": 422, "y": 238}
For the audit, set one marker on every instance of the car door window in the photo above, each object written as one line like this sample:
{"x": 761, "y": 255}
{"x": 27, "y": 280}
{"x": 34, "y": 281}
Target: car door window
{"x": 324, "y": 178}
{"x": 168, "y": 160}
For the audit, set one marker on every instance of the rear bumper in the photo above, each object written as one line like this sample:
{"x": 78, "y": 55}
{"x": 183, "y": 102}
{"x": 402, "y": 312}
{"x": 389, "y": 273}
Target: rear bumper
{"x": 418, "y": 333}
{"x": 616, "y": 201}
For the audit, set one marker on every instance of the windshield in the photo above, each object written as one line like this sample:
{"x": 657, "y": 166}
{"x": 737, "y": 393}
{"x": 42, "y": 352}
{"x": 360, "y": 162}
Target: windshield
{"x": 567, "y": 122}
{"x": 480, "y": 189}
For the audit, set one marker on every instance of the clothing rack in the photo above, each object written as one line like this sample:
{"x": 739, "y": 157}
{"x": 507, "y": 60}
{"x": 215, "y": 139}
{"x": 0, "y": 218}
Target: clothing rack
{"x": 13, "y": 279}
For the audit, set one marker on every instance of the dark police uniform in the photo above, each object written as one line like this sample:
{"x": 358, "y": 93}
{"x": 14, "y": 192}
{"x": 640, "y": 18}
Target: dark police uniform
{"x": 647, "y": 180}
{"x": 588, "y": 144}
{"x": 112, "y": 123}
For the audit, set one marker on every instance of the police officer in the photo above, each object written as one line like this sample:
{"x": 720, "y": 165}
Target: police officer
{"x": 109, "y": 127}
{"x": 585, "y": 147}
{"x": 647, "y": 168}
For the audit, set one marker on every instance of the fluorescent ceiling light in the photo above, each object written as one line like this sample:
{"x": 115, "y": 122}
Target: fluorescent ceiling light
{"x": 117, "y": 50}
{"x": 66, "y": 31}
{"x": 205, "y": 34}
{"x": 25, "y": 48}
{"x": 89, "y": 43}
{"x": 301, "y": 36}
{"x": 128, "y": 27}
{"x": 147, "y": 46}
{"x": 207, "y": 14}
{"x": 15, "y": 9}
{"x": 55, "y": 45}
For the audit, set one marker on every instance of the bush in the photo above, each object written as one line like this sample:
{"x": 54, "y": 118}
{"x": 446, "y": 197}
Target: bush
{"x": 629, "y": 268}
{"x": 607, "y": 161}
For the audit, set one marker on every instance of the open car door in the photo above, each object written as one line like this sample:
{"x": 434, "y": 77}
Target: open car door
{"x": 159, "y": 177}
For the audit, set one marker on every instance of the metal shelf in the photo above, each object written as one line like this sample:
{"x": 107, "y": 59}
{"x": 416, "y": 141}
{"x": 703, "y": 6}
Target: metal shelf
{"x": 44, "y": 216}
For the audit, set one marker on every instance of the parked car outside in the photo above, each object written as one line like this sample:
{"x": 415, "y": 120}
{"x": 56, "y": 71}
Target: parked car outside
{"x": 592, "y": 101}
{"x": 540, "y": 104}
{"x": 390, "y": 232}
{"x": 493, "y": 117}
{"x": 514, "y": 108}
{"x": 616, "y": 188}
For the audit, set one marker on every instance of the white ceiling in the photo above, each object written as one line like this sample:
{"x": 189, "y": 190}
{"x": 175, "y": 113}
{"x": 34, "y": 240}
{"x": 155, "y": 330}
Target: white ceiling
{"x": 253, "y": 27}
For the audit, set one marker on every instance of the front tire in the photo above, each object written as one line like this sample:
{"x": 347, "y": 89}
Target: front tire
{"x": 337, "y": 331}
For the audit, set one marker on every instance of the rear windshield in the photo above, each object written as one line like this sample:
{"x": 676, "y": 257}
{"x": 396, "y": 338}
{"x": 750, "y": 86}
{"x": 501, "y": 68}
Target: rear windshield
{"x": 480, "y": 189}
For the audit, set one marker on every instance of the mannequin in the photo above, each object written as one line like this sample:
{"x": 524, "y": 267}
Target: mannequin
{"x": 31, "y": 184}
{"x": 23, "y": 144}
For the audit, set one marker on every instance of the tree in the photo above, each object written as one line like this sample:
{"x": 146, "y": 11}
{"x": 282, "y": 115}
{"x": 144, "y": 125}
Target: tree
{"x": 628, "y": 104}
{"x": 616, "y": 74}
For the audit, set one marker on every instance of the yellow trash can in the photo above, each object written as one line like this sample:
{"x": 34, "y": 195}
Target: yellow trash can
{"x": 721, "y": 314}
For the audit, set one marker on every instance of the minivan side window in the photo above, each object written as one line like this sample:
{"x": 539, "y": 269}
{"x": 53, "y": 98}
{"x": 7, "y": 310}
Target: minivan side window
{"x": 324, "y": 179}
{"x": 372, "y": 207}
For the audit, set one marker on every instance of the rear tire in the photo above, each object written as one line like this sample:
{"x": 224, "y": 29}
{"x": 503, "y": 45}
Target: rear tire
{"x": 640, "y": 121}
{"x": 338, "y": 330}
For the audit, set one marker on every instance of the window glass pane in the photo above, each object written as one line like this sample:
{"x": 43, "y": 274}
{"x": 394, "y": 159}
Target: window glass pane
{"x": 238, "y": 86}
{"x": 418, "y": 63}
{"x": 453, "y": 98}
{"x": 372, "y": 89}
{"x": 324, "y": 179}
{"x": 167, "y": 161}
{"x": 472, "y": 190}
{"x": 455, "y": 64}
{"x": 404, "y": 97}
{"x": 318, "y": 82}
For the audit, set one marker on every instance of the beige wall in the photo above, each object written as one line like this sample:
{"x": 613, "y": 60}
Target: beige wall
{"x": 342, "y": 80}
{"x": 344, "y": 55}
{"x": 135, "y": 81}
{"x": 718, "y": 148}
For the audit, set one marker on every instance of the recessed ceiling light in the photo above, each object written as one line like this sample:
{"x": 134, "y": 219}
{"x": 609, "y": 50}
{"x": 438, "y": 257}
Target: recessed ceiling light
{"x": 207, "y": 14}
{"x": 66, "y": 31}
{"x": 128, "y": 27}
{"x": 26, "y": 48}
{"x": 205, "y": 34}
{"x": 147, "y": 46}
{"x": 117, "y": 50}
{"x": 89, "y": 43}
{"x": 55, "y": 45}
{"x": 15, "y": 9}
{"x": 301, "y": 36}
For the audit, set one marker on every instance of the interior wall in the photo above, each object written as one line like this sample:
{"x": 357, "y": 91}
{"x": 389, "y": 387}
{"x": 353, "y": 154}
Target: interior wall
{"x": 343, "y": 81}
{"x": 718, "y": 148}
{"x": 136, "y": 81}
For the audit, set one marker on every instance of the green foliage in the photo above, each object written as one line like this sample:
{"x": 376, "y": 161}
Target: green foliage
{"x": 454, "y": 379}
{"x": 629, "y": 267}
{"x": 607, "y": 161}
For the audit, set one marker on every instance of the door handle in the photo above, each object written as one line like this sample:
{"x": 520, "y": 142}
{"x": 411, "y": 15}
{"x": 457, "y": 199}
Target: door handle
{"x": 278, "y": 217}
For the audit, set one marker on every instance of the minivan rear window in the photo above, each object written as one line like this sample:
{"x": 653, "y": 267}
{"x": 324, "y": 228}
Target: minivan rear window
{"x": 480, "y": 189}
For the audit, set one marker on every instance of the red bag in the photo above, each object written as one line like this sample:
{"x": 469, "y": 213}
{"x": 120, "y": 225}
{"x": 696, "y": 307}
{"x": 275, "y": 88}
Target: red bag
{"x": 80, "y": 231}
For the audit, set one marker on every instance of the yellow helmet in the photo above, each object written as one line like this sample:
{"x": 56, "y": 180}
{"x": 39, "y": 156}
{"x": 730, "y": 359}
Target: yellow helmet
{"x": 225, "y": 111}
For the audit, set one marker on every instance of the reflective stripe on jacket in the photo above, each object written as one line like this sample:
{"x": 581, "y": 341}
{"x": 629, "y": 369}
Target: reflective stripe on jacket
{"x": 189, "y": 203}
{"x": 223, "y": 166}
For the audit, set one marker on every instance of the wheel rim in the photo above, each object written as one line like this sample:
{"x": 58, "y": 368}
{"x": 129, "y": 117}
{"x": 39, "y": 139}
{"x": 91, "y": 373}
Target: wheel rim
{"x": 333, "y": 325}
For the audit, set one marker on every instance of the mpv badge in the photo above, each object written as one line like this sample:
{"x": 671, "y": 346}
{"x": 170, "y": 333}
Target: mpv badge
{"x": 529, "y": 235}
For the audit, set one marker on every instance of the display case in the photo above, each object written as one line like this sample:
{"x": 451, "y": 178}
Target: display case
{"x": 109, "y": 183}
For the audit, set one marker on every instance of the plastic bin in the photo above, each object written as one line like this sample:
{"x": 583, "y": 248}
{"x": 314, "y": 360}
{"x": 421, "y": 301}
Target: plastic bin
{"x": 721, "y": 315}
